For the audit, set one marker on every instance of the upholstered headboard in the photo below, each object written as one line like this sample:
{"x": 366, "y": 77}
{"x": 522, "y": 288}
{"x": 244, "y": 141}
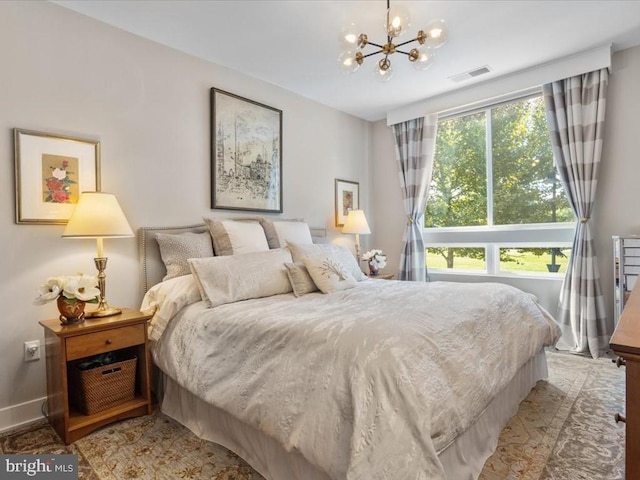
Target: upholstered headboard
{"x": 152, "y": 268}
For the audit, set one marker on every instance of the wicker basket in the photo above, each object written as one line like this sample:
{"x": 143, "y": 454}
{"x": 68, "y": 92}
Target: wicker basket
{"x": 103, "y": 387}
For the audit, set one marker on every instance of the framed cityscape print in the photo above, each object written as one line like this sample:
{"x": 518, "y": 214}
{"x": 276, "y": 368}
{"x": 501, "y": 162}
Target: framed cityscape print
{"x": 50, "y": 172}
{"x": 246, "y": 154}
{"x": 347, "y": 198}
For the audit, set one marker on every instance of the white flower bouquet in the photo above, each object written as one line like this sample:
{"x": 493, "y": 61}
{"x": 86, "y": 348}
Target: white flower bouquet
{"x": 70, "y": 289}
{"x": 376, "y": 259}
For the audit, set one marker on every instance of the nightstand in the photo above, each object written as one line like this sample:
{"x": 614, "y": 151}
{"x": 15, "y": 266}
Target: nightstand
{"x": 66, "y": 345}
{"x": 382, "y": 276}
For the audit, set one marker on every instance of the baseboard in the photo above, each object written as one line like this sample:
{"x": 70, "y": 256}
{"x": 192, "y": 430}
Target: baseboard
{"x": 21, "y": 414}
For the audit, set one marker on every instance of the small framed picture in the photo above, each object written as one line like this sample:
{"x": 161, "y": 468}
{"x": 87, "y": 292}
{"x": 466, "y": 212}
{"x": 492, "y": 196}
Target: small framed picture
{"x": 50, "y": 172}
{"x": 347, "y": 198}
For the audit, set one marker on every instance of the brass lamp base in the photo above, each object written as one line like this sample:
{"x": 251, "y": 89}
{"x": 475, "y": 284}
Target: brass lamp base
{"x": 103, "y": 312}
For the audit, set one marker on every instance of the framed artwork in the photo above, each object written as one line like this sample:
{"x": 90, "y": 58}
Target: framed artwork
{"x": 50, "y": 172}
{"x": 246, "y": 154}
{"x": 347, "y": 198}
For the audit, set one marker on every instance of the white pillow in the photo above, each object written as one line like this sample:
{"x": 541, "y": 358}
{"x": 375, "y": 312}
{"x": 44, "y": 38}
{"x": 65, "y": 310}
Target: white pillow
{"x": 233, "y": 237}
{"x": 175, "y": 249}
{"x": 167, "y": 298}
{"x": 299, "y": 251}
{"x": 232, "y": 278}
{"x": 278, "y": 232}
{"x": 328, "y": 273}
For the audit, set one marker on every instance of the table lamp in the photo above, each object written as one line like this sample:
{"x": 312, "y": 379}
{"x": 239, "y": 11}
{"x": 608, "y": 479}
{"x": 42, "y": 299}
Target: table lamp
{"x": 356, "y": 223}
{"x": 98, "y": 215}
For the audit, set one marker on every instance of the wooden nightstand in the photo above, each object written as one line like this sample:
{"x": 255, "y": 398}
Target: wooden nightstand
{"x": 382, "y": 276}
{"x": 66, "y": 345}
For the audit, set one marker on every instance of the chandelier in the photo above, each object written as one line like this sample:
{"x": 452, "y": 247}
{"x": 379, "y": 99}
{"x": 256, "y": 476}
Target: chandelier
{"x": 397, "y": 23}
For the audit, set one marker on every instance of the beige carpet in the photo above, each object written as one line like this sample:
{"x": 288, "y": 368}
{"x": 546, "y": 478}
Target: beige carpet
{"x": 564, "y": 430}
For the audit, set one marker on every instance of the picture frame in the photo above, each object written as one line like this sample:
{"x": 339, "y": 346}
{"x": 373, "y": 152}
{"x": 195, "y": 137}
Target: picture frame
{"x": 347, "y": 198}
{"x": 246, "y": 154}
{"x": 50, "y": 173}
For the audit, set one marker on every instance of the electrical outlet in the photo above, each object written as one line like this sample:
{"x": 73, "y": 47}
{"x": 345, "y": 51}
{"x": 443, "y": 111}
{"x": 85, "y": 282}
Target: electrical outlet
{"x": 32, "y": 350}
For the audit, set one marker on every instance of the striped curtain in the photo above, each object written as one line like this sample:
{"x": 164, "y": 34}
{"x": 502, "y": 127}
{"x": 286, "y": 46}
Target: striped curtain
{"x": 575, "y": 114}
{"x": 415, "y": 147}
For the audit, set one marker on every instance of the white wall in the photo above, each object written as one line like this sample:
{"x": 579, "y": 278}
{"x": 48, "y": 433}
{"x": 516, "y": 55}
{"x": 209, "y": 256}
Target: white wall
{"x": 616, "y": 211}
{"x": 149, "y": 107}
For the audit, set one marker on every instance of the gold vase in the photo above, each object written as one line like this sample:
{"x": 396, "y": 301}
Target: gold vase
{"x": 71, "y": 310}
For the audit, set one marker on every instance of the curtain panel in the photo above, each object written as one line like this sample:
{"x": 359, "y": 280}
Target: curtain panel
{"x": 575, "y": 114}
{"x": 415, "y": 142}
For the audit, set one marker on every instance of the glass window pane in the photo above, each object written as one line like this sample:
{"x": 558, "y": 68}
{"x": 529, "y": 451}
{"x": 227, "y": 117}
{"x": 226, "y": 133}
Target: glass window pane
{"x": 457, "y": 258}
{"x": 535, "y": 260}
{"x": 525, "y": 186}
{"x": 458, "y": 194}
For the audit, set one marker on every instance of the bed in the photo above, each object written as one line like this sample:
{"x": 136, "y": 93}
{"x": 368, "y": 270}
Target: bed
{"x": 360, "y": 383}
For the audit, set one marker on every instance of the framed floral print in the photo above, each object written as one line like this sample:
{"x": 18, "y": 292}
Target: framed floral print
{"x": 50, "y": 172}
{"x": 246, "y": 154}
{"x": 347, "y": 198}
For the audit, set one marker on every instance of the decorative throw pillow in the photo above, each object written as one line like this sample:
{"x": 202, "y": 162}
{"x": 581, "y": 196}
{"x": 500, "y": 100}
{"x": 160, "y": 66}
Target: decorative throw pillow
{"x": 232, "y": 237}
{"x": 328, "y": 273}
{"x": 232, "y": 278}
{"x": 301, "y": 281}
{"x": 279, "y": 232}
{"x": 175, "y": 249}
{"x": 299, "y": 251}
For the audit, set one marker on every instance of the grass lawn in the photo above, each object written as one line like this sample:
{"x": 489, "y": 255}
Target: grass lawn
{"x": 523, "y": 260}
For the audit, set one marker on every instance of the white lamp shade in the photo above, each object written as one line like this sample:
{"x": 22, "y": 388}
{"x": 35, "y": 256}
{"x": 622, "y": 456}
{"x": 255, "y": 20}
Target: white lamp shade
{"x": 356, "y": 222}
{"x": 97, "y": 215}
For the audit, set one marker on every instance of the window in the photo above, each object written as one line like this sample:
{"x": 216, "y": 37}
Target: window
{"x": 495, "y": 201}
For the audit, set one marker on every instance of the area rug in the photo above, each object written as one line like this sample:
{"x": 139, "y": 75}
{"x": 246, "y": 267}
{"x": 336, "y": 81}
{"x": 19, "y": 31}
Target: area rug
{"x": 564, "y": 430}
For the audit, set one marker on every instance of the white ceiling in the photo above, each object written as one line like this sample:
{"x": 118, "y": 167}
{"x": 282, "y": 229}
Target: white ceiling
{"x": 294, "y": 43}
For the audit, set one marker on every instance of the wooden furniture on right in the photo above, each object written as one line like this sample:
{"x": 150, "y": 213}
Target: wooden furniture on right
{"x": 626, "y": 267}
{"x": 625, "y": 342}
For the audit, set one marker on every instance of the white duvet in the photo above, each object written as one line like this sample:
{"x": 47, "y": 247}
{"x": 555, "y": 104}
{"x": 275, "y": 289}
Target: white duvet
{"x": 367, "y": 383}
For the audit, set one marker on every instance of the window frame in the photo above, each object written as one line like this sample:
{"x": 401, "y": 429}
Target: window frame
{"x": 493, "y": 237}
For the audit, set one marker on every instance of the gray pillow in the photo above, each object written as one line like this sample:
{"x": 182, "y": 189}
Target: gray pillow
{"x": 176, "y": 249}
{"x": 301, "y": 281}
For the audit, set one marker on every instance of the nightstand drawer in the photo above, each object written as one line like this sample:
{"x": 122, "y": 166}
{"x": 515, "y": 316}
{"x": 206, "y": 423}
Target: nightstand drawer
{"x": 106, "y": 341}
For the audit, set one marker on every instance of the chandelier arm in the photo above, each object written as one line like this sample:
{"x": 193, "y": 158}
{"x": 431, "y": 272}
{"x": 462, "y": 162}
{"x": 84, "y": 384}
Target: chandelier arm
{"x": 400, "y": 51}
{"x": 375, "y": 44}
{"x": 371, "y": 54}
{"x": 408, "y": 41}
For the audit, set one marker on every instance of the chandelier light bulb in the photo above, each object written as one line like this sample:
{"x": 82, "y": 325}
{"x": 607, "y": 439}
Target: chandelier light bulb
{"x": 348, "y": 62}
{"x": 397, "y": 21}
{"x": 349, "y": 37}
{"x": 383, "y": 70}
{"x": 436, "y": 34}
{"x": 421, "y": 58}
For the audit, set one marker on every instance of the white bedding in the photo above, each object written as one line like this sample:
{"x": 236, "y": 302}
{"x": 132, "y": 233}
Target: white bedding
{"x": 366, "y": 383}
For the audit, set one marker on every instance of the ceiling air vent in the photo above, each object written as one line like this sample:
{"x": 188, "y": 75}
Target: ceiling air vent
{"x": 476, "y": 72}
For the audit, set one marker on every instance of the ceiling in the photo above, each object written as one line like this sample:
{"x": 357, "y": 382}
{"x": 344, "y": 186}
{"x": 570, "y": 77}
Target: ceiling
{"x": 294, "y": 43}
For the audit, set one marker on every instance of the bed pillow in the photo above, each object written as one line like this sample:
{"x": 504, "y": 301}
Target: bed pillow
{"x": 233, "y": 237}
{"x": 165, "y": 299}
{"x": 301, "y": 281}
{"x": 176, "y": 248}
{"x": 232, "y": 278}
{"x": 279, "y": 232}
{"x": 328, "y": 273}
{"x": 344, "y": 256}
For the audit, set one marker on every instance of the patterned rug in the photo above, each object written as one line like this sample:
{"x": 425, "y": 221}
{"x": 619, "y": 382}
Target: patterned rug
{"x": 564, "y": 430}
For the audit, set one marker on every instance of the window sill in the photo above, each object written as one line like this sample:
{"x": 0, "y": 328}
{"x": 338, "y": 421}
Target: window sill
{"x": 498, "y": 276}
